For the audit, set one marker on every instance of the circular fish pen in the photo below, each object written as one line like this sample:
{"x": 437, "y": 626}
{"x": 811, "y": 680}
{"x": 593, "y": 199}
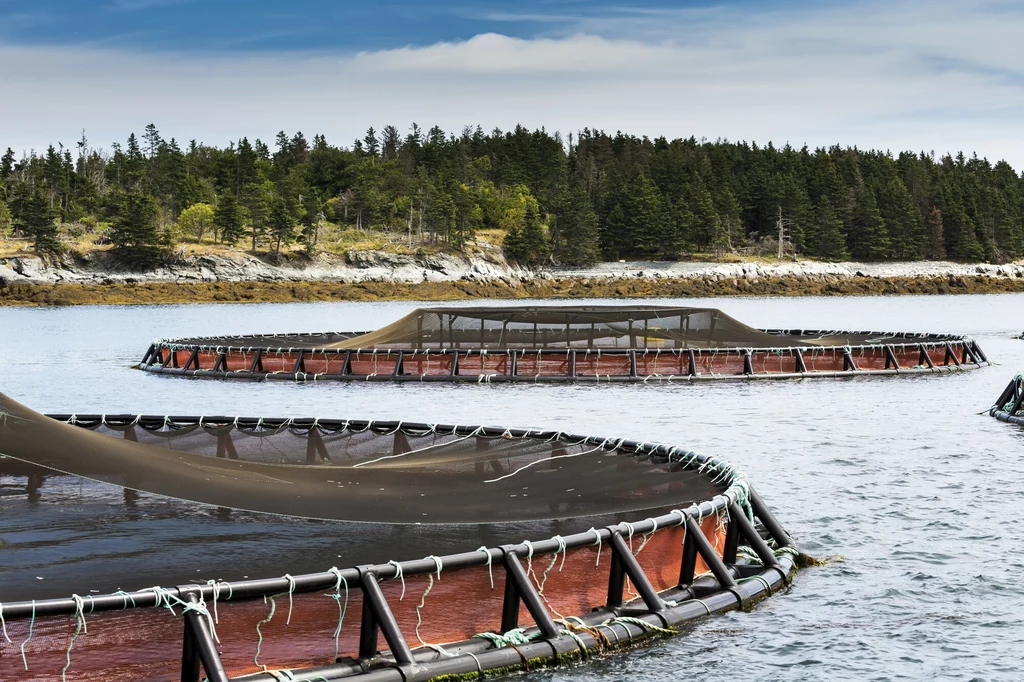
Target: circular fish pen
{"x": 541, "y": 547}
{"x": 1009, "y": 407}
{"x": 562, "y": 344}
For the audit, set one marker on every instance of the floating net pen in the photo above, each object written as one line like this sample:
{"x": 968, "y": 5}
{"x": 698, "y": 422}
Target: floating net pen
{"x": 290, "y": 549}
{"x": 564, "y": 343}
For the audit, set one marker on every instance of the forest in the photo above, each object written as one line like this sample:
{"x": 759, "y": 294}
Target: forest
{"x": 544, "y": 198}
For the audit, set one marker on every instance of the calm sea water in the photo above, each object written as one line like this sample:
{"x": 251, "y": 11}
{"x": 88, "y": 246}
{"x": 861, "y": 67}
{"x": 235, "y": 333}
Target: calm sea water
{"x": 918, "y": 495}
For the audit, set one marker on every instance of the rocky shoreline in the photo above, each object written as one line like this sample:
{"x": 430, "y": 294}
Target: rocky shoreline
{"x": 374, "y": 275}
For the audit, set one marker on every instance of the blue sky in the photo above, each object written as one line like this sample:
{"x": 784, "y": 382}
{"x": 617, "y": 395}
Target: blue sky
{"x": 935, "y": 75}
{"x": 262, "y": 25}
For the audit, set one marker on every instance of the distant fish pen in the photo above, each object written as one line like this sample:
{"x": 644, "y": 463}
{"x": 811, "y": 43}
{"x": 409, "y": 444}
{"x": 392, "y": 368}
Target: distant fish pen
{"x": 564, "y": 343}
{"x": 1010, "y": 405}
{"x": 650, "y": 537}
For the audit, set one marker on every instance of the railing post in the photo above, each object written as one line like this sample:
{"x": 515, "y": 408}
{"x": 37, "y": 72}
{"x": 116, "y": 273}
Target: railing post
{"x": 515, "y": 574}
{"x": 748, "y": 364}
{"x": 377, "y": 615}
{"x": 773, "y": 527}
{"x": 631, "y": 567}
{"x": 801, "y": 366}
{"x": 199, "y": 647}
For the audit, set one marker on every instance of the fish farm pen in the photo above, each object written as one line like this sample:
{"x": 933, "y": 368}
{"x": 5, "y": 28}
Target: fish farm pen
{"x": 627, "y": 541}
{"x": 561, "y": 344}
{"x": 1010, "y": 405}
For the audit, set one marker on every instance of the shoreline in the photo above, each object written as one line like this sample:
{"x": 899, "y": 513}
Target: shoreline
{"x": 236, "y": 276}
{"x": 147, "y": 293}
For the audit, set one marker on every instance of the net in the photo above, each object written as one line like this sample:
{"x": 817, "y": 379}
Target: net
{"x": 604, "y": 327}
{"x": 357, "y": 471}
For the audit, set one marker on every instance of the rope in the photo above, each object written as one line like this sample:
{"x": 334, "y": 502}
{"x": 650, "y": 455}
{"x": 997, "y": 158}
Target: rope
{"x": 597, "y": 534}
{"x": 291, "y": 591}
{"x": 642, "y": 624}
{"x": 490, "y": 572}
{"x": 423, "y": 602}
{"x": 3, "y": 623}
{"x": 259, "y": 634}
{"x": 31, "y": 626}
{"x": 513, "y": 637}
{"x": 341, "y": 608}
{"x": 398, "y": 574}
{"x": 80, "y": 627}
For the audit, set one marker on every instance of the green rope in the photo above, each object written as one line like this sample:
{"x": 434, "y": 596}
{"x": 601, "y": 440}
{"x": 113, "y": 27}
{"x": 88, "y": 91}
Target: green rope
{"x": 259, "y": 642}
{"x": 342, "y": 609}
{"x": 79, "y": 627}
{"x": 31, "y": 625}
{"x": 514, "y": 637}
{"x": 619, "y": 620}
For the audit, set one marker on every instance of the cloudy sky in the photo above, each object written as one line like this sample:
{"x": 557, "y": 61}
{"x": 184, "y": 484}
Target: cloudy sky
{"x": 938, "y": 75}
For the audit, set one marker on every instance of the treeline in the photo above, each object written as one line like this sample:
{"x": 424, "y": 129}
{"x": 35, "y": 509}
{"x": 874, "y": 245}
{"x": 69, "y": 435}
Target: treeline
{"x": 589, "y": 197}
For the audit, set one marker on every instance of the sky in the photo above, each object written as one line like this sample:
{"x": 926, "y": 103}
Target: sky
{"x": 938, "y": 76}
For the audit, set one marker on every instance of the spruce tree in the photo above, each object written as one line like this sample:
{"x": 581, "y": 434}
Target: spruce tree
{"x": 934, "y": 247}
{"x": 35, "y": 220}
{"x": 282, "y": 224}
{"x": 869, "y": 239}
{"x": 577, "y": 227}
{"x": 134, "y": 232}
{"x": 829, "y": 233}
{"x": 534, "y": 240}
{"x": 227, "y": 218}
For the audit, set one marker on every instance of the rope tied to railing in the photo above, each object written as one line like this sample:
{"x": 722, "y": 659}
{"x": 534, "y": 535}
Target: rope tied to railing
{"x": 482, "y": 548}
{"x": 423, "y": 603}
{"x": 342, "y": 609}
{"x": 399, "y": 575}
{"x": 514, "y": 637}
{"x": 642, "y": 624}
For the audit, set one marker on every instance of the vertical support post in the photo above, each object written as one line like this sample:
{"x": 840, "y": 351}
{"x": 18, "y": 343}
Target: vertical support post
{"x": 399, "y": 364}
{"x": 632, "y": 362}
{"x": 691, "y": 369}
{"x": 510, "y": 607}
{"x": 515, "y": 574}
{"x": 689, "y": 563}
{"x": 923, "y": 358}
{"x": 257, "y": 362}
{"x": 798, "y": 356}
{"x": 748, "y": 364}
{"x": 732, "y": 539}
{"x": 300, "y": 362}
{"x": 749, "y": 533}
{"x": 513, "y": 363}
{"x": 193, "y": 358}
{"x": 848, "y": 363}
{"x": 708, "y": 554}
{"x": 950, "y": 355}
{"x": 455, "y": 364}
{"x": 198, "y": 647}
{"x": 150, "y": 352}
{"x": 221, "y": 363}
{"x": 890, "y": 357}
{"x": 572, "y": 364}
{"x": 375, "y": 606}
{"x": 771, "y": 524}
{"x": 631, "y": 567}
{"x": 346, "y": 365}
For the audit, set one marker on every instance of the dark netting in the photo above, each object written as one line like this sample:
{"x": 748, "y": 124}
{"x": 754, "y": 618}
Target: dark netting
{"x": 358, "y": 471}
{"x": 602, "y": 327}
{"x": 537, "y": 546}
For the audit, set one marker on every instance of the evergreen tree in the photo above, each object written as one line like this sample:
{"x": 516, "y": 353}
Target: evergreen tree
{"x": 134, "y": 232}
{"x": 35, "y": 220}
{"x": 577, "y": 242}
{"x": 868, "y": 240}
{"x": 227, "y": 218}
{"x": 534, "y": 240}
{"x": 282, "y": 224}
{"x": 6, "y": 221}
{"x": 829, "y": 234}
{"x": 935, "y": 241}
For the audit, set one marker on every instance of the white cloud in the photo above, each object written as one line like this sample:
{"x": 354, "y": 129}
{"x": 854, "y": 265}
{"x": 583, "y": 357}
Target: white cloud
{"x": 937, "y": 76}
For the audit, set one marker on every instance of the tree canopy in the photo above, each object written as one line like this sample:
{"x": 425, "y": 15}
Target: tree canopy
{"x": 589, "y": 197}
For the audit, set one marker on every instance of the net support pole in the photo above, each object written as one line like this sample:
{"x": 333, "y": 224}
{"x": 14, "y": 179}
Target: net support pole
{"x": 748, "y": 363}
{"x": 257, "y": 362}
{"x": 771, "y": 524}
{"x": 848, "y": 364}
{"x": 732, "y": 540}
{"x": 691, "y": 369}
{"x": 300, "y": 362}
{"x": 798, "y": 356}
{"x": 193, "y": 359}
{"x": 718, "y": 568}
{"x": 756, "y": 542}
{"x": 624, "y": 564}
{"x": 198, "y": 647}
{"x": 979, "y": 352}
{"x": 221, "y": 363}
{"x": 890, "y": 358}
{"x": 149, "y": 354}
{"x": 923, "y": 358}
{"x": 377, "y": 617}
{"x": 518, "y": 587}
{"x": 950, "y": 355}
{"x": 399, "y": 364}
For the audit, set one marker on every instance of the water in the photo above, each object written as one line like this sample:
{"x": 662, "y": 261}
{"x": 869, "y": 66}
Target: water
{"x": 902, "y": 478}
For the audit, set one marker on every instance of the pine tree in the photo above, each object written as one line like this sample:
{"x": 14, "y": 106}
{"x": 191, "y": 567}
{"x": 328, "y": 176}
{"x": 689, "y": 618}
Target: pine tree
{"x": 227, "y": 218}
{"x": 134, "y": 233}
